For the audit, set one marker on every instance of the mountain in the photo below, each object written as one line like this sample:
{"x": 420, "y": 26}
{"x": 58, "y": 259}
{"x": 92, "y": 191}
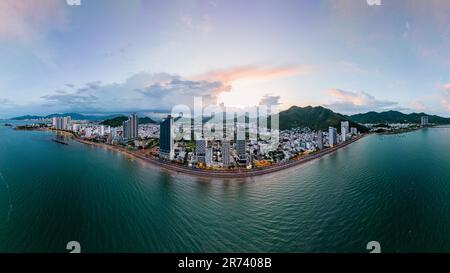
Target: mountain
{"x": 316, "y": 118}
{"x": 74, "y": 116}
{"x": 117, "y": 121}
{"x": 397, "y": 117}
{"x": 27, "y": 117}
{"x": 146, "y": 120}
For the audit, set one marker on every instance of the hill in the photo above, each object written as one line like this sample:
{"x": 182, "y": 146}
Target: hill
{"x": 316, "y": 118}
{"x": 397, "y": 117}
{"x": 117, "y": 121}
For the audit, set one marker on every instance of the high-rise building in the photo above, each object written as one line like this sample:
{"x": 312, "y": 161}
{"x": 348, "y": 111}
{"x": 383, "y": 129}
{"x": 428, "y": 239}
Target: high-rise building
{"x": 226, "y": 153}
{"x": 125, "y": 129}
{"x": 134, "y": 126}
{"x": 130, "y": 127}
{"x": 320, "y": 140}
{"x": 424, "y": 121}
{"x": 61, "y": 123}
{"x": 241, "y": 151}
{"x": 354, "y": 131}
{"x": 345, "y": 129}
{"x": 200, "y": 150}
{"x": 332, "y": 136}
{"x": 166, "y": 142}
{"x": 114, "y": 133}
{"x": 209, "y": 156}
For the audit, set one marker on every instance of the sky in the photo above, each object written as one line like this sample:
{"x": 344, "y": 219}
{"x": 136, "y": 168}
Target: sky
{"x": 107, "y": 56}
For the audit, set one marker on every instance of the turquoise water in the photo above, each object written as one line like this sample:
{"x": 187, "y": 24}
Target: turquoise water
{"x": 392, "y": 189}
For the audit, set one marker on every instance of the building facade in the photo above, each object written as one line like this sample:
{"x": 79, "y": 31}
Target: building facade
{"x": 200, "y": 150}
{"x": 166, "y": 140}
{"x": 345, "y": 129}
{"x": 424, "y": 121}
{"x": 332, "y": 136}
{"x": 130, "y": 128}
{"x": 61, "y": 123}
{"x": 226, "y": 153}
{"x": 320, "y": 140}
{"x": 241, "y": 152}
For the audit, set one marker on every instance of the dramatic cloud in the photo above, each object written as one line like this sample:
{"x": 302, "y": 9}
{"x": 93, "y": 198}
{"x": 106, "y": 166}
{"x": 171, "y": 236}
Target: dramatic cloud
{"x": 142, "y": 91}
{"x": 253, "y": 73}
{"x": 179, "y": 91}
{"x": 159, "y": 91}
{"x": 355, "y": 102}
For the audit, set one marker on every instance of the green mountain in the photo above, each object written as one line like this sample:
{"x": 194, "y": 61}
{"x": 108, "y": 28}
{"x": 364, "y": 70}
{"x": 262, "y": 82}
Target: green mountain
{"x": 117, "y": 121}
{"x": 146, "y": 120}
{"x": 316, "y": 118}
{"x": 397, "y": 117}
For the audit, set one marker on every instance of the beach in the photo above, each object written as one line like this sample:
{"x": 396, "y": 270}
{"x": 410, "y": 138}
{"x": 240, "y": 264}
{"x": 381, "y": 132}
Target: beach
{"x": 173, "y": 167}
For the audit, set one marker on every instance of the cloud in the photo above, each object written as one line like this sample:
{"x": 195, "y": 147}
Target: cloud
{"x": 270, "y": 100}
{"x": 418, "y": 105}
{"x": 354, "y": 102}
{"x": 446, "y": 87}
{"x": 251, "y": 72}
{"x": 121, "y": 51}
{"x": 445, "y": 96}
{"x": 26, "y": 20}
{"x": 73, "y": 102}
{"x": 27, "y": 24}
{"x": 179, "y": 91}
{"x": 141, "y": 91}
{"x": 446, "y": 103}
{"x": 159, "y": 91}
{"x": 6, "y": 103}
{"x": 94, "y": 84}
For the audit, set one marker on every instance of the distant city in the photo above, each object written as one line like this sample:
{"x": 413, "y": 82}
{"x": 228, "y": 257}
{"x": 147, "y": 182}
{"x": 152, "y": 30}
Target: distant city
{"x": 157, "y": 141}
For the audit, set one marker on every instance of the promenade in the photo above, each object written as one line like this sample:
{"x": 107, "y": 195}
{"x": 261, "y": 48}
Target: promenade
{"x": 239, "y": 173}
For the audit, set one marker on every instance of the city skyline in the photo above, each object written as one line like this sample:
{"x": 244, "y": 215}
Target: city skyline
{"x": 337, "y": 54}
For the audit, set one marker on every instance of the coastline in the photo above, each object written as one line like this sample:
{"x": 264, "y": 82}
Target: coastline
{"x": 176, "y": 168}
{"x": 172, "y": 167}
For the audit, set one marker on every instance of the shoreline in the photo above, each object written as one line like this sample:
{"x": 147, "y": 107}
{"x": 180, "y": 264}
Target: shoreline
{"x": 205, "y": 173}
{"x": 172, "y": 167}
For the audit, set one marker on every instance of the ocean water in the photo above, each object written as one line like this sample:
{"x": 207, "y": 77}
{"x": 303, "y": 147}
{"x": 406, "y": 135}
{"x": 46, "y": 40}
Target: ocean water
{"x": 394, "y": 189}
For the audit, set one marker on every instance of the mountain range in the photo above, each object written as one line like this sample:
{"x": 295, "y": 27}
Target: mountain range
{"x": 397, "y": 117}
{"x": 74, "y": 116}
{"x": 316, "y": 118}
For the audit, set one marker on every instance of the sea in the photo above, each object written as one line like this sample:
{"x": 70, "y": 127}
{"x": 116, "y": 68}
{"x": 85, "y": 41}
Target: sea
{"x": 392, "y": 189}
